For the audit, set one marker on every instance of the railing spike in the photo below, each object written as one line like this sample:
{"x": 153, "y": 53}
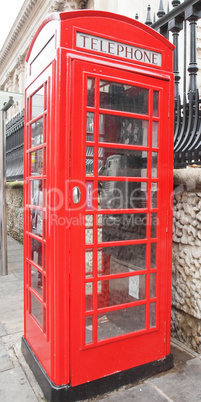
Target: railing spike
{"x": 136, "y": 16}
{"x": 168, "y": 8}
{"x": 175, "y": 3}
{"x": 154, "y": 17}
{"x": 161, "y": 11}
{"x": 148, "y": 19}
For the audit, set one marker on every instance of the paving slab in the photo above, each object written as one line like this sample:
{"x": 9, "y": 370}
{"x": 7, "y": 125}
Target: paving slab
{"x": 181, "y": 355}
{"x": 181, "y": 385}
{"x": 17, "y": 382}
{"x": 139, "y": 393}
{"x": 14, "y": 386}
{"x": 2, "y": 330}
{"x": 16, "y": 257}
{"x": 5, "y": 359}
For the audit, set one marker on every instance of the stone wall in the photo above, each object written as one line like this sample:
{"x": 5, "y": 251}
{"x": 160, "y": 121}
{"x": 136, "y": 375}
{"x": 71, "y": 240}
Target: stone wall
{"x": 14, "y": 210}
{"x": 186, "y": 265}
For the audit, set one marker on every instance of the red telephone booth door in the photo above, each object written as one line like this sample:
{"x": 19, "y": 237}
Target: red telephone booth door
{"x": 119, "y": 270}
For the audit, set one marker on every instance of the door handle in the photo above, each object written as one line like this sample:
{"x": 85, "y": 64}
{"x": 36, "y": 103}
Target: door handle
{"x": 76, "y": 195}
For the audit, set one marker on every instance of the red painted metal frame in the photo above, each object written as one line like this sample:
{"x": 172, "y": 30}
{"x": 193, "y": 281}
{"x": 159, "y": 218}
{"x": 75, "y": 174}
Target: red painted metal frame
{"x": 37, "y": 335}
{"x": 146, "y": 345}
{"x": 60, "y": 346}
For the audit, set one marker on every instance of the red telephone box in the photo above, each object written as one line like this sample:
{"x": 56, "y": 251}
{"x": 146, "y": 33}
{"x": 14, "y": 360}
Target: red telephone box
{"x": 98, "y": 184}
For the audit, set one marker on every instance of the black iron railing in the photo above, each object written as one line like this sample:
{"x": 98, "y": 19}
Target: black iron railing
{"x": 182, "y": 19}
{"x": 15, "y": 148}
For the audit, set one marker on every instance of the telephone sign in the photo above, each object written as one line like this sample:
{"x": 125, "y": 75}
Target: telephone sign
{"x": 98, "y": 178}
{"x": 109, "y": 47}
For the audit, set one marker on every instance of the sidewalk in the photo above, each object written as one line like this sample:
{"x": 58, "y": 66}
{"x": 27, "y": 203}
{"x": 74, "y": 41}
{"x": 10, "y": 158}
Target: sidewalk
{"x": 17, "y": 383}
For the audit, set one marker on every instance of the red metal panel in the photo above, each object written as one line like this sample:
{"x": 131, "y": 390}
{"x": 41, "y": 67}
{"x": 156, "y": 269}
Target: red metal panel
{"x": 104, "y": 357}
{"x": 110, "y": 25}
{"x": 58, "y": 224}
{"x": 37, "y": 295}
{"x": 51, "y": 344}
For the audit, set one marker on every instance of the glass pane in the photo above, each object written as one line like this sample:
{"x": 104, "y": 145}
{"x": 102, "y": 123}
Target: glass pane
{"x": 88, "y": 330}
{"x": 90, "y": 91}
{"x": 90, "y": 126}
{"x": 137, "y": 287}
{"x": 153, "y": 255}
{"x": 154, "y": 224}
{"x": 88, "y": 236}
{"x": 153, "y": 285}
{"x": 121, "y": 194}
{"x": 37, "y": 222}
{"x": 122, "y": 162}
{"x": 120, "y": 259}
{"x": 45, "y": 288}
{"x": 45, "y": 319}
{"x": 37, "y": 133}
{"x": 89, "y": 296}
{"x": 89, "y": 229}
{"x": 89, "y": 161}
{"x": 37, "y": 162}
{"x": 101, "y": 133}
{"x": 37, "y": 310}
{"x": 122, "y": 227}
{"x": 36, "y": 280}
{"x": 122, "y": 97}
{"x": 155, "y": 134}
{"x": 152, "y": 315}
{"x": 45, "y": 158}
{"x": 37, "y": 105}
{"x": 44, "y": 225}
{"x": 121, "y": 291}
{"x": 36, "y": 192}
{"x": 155, "y": 103}
{"x": 89, "y": 264}
{"x": 89, "y": 221}
{"x": 36, "y": 251}
{"x": 100, "y": 224}
{"x": 103, "y": 262}
{"x": 154, "y": 164}
{"x": 121, "y": 322}
{"x": 123, "y": 130}
{"x": 153, "y": 195}
{"x": 44, "y": 257}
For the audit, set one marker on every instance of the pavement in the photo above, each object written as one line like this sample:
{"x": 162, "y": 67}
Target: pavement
{"x": 17, "y": 383}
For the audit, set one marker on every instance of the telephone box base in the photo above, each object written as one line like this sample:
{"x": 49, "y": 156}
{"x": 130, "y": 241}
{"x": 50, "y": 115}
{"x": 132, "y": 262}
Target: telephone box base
{"x": 54, "y": 393}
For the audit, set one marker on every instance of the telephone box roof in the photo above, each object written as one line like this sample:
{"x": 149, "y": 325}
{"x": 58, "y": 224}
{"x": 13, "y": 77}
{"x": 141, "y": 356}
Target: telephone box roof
{"x": 108, "y": 23}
